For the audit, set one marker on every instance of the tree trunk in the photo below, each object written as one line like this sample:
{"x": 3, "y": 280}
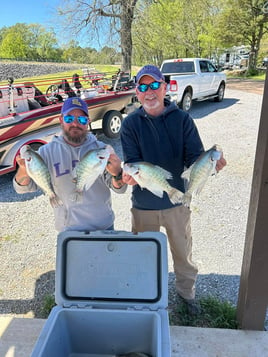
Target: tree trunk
{"x": 125, "y": 33}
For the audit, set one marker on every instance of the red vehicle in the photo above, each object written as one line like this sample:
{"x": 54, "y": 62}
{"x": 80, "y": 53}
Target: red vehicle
{"x": 27, "y": 116}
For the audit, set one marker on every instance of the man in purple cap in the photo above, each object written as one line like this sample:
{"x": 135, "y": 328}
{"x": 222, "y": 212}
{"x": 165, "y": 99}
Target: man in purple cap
{"x": 61, "y": 155}
{"x": 162, "y": 134}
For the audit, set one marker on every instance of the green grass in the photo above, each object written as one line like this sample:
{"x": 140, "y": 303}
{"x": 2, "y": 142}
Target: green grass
{"x": 48, "y": 304}
{"x": 242, "y": 75}
{"x": 6, "y": 238}
{"x": 214, "y": 314}
{"x": 44, "y": 81}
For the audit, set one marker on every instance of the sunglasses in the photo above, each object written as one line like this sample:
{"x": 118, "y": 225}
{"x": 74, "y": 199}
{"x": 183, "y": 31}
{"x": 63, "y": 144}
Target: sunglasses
{"x": 144, "y": 87}
{"x": 68, "y": 119}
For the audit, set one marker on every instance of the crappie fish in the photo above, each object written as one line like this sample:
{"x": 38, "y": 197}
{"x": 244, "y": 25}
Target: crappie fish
{"x": 89, "y": 168}
{"x": 38, "y": 171}
{"x": 153, "y": 178}
{"x": 198, "y": 173}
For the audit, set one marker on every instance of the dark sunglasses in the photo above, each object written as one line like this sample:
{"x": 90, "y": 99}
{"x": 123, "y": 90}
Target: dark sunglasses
{"x": 82, "y": 119}
{"x": 144, "y": 87}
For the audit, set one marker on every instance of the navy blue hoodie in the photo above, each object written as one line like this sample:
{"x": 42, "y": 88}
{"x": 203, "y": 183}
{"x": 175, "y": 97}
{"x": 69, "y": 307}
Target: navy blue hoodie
{"x": 170, "y": 141}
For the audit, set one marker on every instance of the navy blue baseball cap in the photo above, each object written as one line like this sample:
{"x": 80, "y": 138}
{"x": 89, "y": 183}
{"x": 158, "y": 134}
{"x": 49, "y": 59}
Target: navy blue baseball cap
{"x": 74, "y": 103}
{"x": 152, "y": 71}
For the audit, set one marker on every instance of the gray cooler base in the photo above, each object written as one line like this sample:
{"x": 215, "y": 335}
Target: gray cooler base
{"x": 73, "y": 332}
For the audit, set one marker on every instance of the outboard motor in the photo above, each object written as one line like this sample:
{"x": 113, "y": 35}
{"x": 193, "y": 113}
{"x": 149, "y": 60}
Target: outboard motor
{"x": 12, "y": 104}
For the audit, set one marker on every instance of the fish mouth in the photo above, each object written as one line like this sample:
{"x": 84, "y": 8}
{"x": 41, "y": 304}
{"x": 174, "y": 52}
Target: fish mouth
{"x": 217, "y": 147}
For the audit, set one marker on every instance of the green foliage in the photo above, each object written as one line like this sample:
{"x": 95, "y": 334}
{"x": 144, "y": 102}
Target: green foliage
{"x": 214, "y": 314}
{"x": 28, "y": 42}
{"x": 160, "y": 29}
{"x": 48, "y": 304}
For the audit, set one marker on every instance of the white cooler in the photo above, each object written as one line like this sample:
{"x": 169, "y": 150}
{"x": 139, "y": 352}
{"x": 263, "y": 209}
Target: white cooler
{"x": 111, "y": 295}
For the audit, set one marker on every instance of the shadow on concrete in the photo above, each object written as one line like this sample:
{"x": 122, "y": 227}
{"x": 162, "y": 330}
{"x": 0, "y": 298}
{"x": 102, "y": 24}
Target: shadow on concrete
{"x": 200, "y": 110}
{"x": 44, "y": 287}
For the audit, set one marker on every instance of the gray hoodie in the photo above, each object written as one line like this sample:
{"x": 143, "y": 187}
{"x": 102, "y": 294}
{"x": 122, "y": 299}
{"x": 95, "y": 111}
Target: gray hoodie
{"x": 95, "y": 211}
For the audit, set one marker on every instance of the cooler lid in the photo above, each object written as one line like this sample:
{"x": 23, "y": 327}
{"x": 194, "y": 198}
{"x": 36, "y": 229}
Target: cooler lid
{"x": 112, "y": 269}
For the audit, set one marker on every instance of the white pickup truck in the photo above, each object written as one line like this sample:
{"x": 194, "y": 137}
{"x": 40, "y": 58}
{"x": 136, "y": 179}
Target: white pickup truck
{"x": 192, "y": 79}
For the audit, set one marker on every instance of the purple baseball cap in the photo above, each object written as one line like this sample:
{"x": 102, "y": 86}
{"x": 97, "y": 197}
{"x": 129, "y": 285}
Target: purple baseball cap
{"x": 152, "y": 71}
{"x": 74, "y": 103}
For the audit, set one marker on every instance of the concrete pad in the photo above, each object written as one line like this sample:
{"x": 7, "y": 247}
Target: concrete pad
{"x": 18, "y": 336}
{"x": 210, "y": 342}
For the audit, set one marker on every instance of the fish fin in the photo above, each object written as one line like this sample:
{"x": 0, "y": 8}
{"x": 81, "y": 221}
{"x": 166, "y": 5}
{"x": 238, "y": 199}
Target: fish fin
{"x": 158, "y": 193}
{"x": 55, "y": 201}
{"x": 175, "y": 196}
{"x": 90, "y": 182}
{"x": 186, "y": 199}
{"x": 186, "y": 174}
{"x": 165, "y": 173}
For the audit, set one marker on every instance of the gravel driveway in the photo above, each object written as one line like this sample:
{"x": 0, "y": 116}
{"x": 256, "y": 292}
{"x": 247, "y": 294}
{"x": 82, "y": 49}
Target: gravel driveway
{"x": 219, "y": 215}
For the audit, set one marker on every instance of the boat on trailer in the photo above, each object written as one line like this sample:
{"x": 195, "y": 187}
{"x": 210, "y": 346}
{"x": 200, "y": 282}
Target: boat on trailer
{"x": 27, "y": 115}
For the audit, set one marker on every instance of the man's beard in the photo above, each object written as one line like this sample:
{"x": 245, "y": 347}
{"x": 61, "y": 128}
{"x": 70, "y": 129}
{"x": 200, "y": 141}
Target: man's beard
{"x": 75, "y": 139}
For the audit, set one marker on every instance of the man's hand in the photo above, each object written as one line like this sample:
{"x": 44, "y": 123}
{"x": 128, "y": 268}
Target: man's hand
{"x": 114, "y": 165}
{"x": 129, "y": 180}
{"x": 22, "y": 177}
{"x": 220, "y": 164}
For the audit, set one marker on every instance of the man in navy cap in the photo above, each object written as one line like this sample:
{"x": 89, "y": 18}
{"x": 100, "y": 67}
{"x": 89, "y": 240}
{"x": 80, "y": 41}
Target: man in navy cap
{"x": 160, "y": 133}
{"x": 61, "y": 155}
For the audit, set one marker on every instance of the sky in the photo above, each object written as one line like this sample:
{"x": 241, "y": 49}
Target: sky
{"x": 27, "y": 11}
{"x": 42, "y": 12}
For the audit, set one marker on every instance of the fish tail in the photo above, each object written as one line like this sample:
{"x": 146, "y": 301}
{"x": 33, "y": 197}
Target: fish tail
{"x": 55, "y": 201}
{"x": 175, "y": 196}
{"x": 186, "y": 199}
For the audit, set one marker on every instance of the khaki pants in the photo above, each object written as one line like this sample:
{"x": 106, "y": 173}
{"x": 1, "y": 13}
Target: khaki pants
{"x": 177, "y": 223}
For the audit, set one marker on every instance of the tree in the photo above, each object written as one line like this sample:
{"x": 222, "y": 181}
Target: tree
{"x": 245, "y": 22}
{"x": 175, "y": 28}
{"x": 14, "y": 43}
{"x": 95, "y": 15}
{"x": 29, "y": 42}
{"x": 43, "y": 43}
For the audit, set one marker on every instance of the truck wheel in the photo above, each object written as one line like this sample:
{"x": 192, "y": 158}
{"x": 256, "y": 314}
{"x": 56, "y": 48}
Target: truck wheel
{"x": 220, "y": 93}
{"x": 186, "y": 102}
{"x": 111, "y": 124}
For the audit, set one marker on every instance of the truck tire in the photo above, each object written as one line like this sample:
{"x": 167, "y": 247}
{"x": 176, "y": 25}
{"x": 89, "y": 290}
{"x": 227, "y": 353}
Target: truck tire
{"x": 186, "y": 102}
{"x": 112, "y": 123}
{"x": 220, "y": 93}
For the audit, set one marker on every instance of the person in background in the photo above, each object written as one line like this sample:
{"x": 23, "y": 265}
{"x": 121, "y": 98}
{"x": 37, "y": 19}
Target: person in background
{"x": 160, "y": 133}
{"x": 94, "y": 212}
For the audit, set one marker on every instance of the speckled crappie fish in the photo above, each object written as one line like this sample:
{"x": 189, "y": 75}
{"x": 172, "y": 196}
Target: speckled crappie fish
{"x": 198, "y": 173}
{"x": 153, "y": 178}
{"x": 91, "y": 166}
{"x": 38, "y": 171}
